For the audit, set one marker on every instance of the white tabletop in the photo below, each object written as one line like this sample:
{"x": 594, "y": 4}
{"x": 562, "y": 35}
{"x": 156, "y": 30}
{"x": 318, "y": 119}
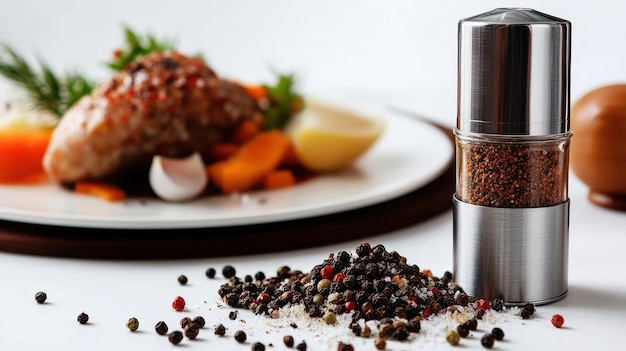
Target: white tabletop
{"x": 400, "y": 54}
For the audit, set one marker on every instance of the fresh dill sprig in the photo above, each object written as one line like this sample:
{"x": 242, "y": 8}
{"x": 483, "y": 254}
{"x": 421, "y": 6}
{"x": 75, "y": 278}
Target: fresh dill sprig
{"x": 45, "y": 89}
{"x": 136, "y": 46}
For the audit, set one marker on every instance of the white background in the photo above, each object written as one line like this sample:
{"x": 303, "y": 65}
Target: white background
{"x": 395, "y": 52}
{"x": 406, "y": 47}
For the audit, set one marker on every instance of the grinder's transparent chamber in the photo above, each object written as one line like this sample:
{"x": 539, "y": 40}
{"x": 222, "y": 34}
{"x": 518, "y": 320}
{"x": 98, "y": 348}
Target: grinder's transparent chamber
{"x": 512, "y": 171}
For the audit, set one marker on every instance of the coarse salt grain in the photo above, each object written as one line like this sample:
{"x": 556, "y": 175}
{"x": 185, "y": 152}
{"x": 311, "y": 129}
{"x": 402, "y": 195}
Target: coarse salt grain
{"x": 432, "y": 333}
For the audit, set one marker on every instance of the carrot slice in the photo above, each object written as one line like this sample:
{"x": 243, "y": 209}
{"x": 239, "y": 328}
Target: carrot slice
{"x": 258, "y": 92}
{"x": 279, "y": 179}
{"x": 21, "y": 155}
{"x": 105, "y": 191}
{"x": 251, "y": 163}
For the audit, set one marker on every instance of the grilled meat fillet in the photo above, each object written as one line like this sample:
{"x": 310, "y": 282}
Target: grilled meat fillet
{"x": 165, "y": 104}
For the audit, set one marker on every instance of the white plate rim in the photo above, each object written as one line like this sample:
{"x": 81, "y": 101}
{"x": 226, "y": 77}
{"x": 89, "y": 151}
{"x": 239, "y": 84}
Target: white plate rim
{"x": 438, "y": 155}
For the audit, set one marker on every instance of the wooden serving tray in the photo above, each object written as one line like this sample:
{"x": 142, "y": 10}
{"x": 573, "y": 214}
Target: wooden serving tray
{"x": 96, "y": 243}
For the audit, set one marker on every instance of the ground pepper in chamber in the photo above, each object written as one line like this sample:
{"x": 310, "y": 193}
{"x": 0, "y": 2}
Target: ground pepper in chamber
{"x": 512, "y": 173}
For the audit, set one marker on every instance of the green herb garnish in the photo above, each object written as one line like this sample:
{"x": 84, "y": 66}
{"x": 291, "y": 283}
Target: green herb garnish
{"x": 45, "y": 89}
{"x": 283, "y": 102}
{"x": 137, "y": 46}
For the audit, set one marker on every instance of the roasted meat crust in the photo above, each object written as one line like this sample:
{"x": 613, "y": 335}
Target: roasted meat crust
{"x": 165, "y": 104}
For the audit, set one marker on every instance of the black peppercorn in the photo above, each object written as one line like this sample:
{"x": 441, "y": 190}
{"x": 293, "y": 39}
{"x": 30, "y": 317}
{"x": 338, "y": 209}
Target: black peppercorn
{"x": 314, "y": 311}
{"x": 288, "y": 340}
{"x": 220, "y": 330}
{"x": 527, "y": 311}
{"x": 41, "y": 297}
{"x": 400, "y": 334}
{"x": 283, "y": 272}
{"x": 257, "y": 346}
{"x": 82, "y": 318}
{"x": 525, "y": 314}
{"x": 379, "y": 299}
{"x": 185, "y": 321}
{"x": 497, "y": 305}
{"x": 228, "y": 271}
{"x": 487, "y": 340}
{"x": 301, "y": 346}
{"x": 414, "y": 325}
{"x": 210, "y": 273}
{"x": 345, "y": 347}
{"x": 247, "y": 278}
{"x": 497, "y": 333}
{"x": 182, "y": 279}
{"x": 175, "y": 337}
{"x": 472, "y": 324}
{"x": 363, "y": 249}
{"x": 240, "y": 336}
{"x": 463, "y": 330}
{"x": 462, "y": 299}
{"x": 261, "y": 309}
{"x": 231, "y": 299}
{"x": 232, "y": 315}
{"x": 385, "y": 330}
{"x": 530, "y": 307}
{"x": 259, "y": 276}
{"x": 161, "y": 328}
{"x": 191, "y": 331}
{"x": 199, "y": 321}
{"x": 343, "y": 257}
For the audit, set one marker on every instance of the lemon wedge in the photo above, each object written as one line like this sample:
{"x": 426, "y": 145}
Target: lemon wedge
{"x": 327, "y": 138}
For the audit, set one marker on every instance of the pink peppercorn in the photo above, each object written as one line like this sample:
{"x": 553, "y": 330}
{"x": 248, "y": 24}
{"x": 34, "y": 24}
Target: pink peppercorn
{"x": 350, "y": 306}
{"x": 338, "y": 278}
{"x": 327, "y": 272}
{"x": 483, "y": 304}
{"x": 558, "y": 320}
{"x": 178, "y": 304}
{"x": 263, "y": 298}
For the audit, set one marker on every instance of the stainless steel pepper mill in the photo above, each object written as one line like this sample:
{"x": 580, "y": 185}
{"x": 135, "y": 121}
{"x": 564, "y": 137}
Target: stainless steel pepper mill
{"x": 511, "y": 206}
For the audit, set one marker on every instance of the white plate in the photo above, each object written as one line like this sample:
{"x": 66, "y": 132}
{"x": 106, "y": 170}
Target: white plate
{"x": 409, "y": 154}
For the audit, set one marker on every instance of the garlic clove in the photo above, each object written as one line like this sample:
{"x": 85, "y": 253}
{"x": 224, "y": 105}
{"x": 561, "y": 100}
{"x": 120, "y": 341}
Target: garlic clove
{"x": 178, "y": 179}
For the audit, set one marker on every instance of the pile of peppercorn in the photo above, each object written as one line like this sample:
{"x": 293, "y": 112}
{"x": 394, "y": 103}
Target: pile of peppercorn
{"x": 371, "y": 283}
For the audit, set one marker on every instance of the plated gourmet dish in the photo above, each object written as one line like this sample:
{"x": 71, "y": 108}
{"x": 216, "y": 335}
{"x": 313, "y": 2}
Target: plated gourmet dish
{"x": 168, "y": 120}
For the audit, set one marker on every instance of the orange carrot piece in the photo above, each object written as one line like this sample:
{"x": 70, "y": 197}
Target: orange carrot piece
{"x": 279, "y": 179}
{"x": 105, "y": 191}
{"x": 246, "y": 131}
{"x": 223, "y": 151}
{"x": 258, "y": 92}
{"x": 21, "y": 156}
{"x": 251, "y": 163}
